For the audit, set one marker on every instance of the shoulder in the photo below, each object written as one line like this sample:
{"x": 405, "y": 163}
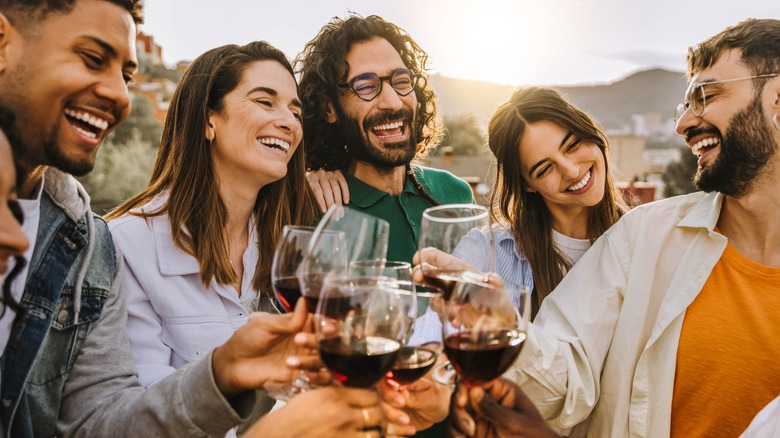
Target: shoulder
{"x": 701, "y": 207}
{"x": 131, "y": 225}
{"x": 441, "y": 182}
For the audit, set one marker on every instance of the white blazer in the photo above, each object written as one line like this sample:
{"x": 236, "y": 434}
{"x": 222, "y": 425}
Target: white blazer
{"x": 172, "y": 318}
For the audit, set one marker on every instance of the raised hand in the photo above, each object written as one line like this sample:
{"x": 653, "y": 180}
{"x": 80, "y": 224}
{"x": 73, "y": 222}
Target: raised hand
{"x": 496, "y": 409}
{"x": 329, "y": 187}
{"x": 256, "y": 353}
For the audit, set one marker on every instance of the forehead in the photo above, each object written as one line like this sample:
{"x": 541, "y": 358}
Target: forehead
{"x": 269, "y": 74}
{"x": 90, "y": 20}
{"x": 373, "y": 56}
{"x": 726, "y": 66}
{"x": 540, "y": 140}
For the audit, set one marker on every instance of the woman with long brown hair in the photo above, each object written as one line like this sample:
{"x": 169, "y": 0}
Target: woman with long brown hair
{"x": 553, "y": 194}
{"x": 198, "y": 241}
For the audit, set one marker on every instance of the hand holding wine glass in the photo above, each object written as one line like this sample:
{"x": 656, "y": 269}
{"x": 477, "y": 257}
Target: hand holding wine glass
{"x": 484, "y": 326}
{"x": 442, "y": 229}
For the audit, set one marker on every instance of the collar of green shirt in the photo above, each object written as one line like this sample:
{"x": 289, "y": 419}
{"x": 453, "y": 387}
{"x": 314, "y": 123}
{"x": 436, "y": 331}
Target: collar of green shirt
{"x": 364, "y": 195}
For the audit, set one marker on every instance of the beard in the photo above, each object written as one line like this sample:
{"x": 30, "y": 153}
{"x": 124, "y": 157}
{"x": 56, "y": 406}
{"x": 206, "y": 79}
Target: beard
{"x": 71, "y": 165}
{"x": 744, "y": 154}
{"x": 388, "y": 156}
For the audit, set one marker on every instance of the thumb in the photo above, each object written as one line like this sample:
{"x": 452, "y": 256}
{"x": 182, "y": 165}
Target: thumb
{"x": 299, "y": 316}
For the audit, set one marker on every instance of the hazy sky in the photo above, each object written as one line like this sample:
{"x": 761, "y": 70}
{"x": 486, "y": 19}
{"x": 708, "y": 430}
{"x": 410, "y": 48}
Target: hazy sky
{"x": 550, "y": 42}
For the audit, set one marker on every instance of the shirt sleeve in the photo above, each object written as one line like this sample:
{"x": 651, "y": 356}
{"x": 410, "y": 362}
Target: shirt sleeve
{"x": 102, "y": 396}
{"x": 563, "y": 356}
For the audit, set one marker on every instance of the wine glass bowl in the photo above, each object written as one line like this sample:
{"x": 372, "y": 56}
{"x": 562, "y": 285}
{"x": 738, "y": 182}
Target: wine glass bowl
{"x": 442, "y": 230}
{"x": 484, "y": 326}
{"x": 343, "y": 237}
{"x": 288, "y": 256}
{"x": 361, "y": 324}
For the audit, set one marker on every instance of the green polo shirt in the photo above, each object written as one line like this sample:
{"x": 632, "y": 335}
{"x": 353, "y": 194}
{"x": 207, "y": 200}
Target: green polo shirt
{"x": 404, "y": 211}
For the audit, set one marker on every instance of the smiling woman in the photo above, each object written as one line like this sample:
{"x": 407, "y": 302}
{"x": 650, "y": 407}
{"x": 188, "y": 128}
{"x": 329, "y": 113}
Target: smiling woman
{"x": 198, "y": 241}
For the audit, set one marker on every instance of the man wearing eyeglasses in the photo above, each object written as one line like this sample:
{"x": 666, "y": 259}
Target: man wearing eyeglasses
{"x": 668, "y": 325}
{"x": 368, "y": 113}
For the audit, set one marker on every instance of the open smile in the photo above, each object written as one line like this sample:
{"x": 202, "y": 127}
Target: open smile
{"x": 90, "y": 126}
{"x": 389, "y": 130}
{"x": 579, "y": 185}
{"x": 275, "y": 143}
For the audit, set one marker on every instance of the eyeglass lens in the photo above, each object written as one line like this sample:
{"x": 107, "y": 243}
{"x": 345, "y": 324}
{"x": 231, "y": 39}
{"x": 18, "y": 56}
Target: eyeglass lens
{"x": 369, "y": 85}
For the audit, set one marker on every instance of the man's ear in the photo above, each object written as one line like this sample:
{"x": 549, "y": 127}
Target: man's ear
{"x": 330, "y": 113}
{"x": 7, "y": 33}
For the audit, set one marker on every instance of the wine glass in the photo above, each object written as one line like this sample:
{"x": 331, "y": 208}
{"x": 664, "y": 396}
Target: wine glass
{"x": 361, "y": 324}
{"x": 287, "y": 260}
{"x": 483, "y": 327}
{"x": 288, "y": 257}
{"x": 362, "y": 237}
{"x": 442, "y": 229}
{"x": 417, "y": 355}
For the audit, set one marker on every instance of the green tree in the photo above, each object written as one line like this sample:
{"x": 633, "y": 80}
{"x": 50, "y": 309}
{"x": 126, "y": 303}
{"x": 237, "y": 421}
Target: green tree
{"x": 141, "y": 121}
{"x": 678, "y": 175}
{"x": 121, "y": 171}
{"x": 464, "y": 135}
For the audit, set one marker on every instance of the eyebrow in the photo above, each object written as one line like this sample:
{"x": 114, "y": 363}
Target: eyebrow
{"x": 111, "y": 50}
{"x": 540, "y": 163}
{"x": 274, "y": 93}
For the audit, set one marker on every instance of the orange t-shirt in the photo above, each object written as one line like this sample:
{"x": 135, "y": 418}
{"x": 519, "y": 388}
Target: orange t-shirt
{"x": 728, "y": 360}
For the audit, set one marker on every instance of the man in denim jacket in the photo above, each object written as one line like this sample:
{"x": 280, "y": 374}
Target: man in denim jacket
{"x": 66, "y": 365}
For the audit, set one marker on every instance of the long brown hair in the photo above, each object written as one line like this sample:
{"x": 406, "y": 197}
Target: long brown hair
{"x": 525, "y": 212}
{"x": 185, "y": 169}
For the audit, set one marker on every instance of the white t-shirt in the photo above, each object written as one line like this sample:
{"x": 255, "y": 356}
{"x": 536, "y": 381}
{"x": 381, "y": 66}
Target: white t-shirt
{"x": 573, "y": 248}
{"x": 32, "y": 215}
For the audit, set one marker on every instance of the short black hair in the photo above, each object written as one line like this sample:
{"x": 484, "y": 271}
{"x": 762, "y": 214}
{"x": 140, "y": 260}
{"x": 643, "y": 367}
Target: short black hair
{"x": 37, "y": 10}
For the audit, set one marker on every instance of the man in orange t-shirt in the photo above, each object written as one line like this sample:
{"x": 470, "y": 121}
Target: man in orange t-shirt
{"x": 669, "y": 325}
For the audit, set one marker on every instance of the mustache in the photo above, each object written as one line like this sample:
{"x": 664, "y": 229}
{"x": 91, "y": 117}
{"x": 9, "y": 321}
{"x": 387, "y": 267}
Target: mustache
{"x": 693, "y": 132}
{"x": 101, "y": 105}
{"x": 387, "y": 116}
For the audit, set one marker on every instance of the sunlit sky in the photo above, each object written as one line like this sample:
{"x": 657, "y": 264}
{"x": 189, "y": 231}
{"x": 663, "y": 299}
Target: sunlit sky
{"x": 514, "y": 42}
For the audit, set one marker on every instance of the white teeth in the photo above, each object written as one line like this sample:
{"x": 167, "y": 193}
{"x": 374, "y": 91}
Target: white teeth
{"x": 87, "y": 118}
{"x": 275, "y": 142}
{"x": 709, "y": 141}
{"x": 389, "y": 126}
{"x": 580, "y": 184}
{"x": 89, "y": 134}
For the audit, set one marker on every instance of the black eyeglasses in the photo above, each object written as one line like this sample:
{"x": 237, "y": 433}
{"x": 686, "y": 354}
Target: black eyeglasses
{"x": 696, "y": 98}
{"x": 368, "y": 85}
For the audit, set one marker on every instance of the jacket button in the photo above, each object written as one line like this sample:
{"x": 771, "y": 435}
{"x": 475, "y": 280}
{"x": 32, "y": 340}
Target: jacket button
{"x": 62, "y": 316}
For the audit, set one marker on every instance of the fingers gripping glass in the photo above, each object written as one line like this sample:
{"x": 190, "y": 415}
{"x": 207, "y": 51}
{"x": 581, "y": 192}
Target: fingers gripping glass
{"x": 368, "y": 85}
{"x": 696, "y": 95}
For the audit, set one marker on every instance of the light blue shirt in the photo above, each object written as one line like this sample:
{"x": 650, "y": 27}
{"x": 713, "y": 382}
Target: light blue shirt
{"x": 511, "y": 265}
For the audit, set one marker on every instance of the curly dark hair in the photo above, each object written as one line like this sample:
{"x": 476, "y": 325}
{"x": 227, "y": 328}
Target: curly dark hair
{"x": 322, "y": 66}
{"x": 29, "y": 11}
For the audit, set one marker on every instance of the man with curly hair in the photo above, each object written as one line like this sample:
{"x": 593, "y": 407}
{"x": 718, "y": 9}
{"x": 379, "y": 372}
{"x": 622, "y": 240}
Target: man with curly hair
{"x": 369, "y": 112}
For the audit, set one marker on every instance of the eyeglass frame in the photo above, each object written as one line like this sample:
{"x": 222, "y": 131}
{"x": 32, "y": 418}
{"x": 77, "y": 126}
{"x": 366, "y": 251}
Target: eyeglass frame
{"x": 389, "y": 78}
{"x": 686, "y": 105}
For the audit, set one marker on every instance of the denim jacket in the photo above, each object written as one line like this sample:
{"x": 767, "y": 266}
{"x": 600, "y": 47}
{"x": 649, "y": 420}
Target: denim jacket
{"x": 36, "y": 366}
{"x": 67, "y": 369}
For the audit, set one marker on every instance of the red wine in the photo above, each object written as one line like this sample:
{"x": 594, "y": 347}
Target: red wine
{"x": 481, "y": 357}
{"x": 411, "y": 364}
{"x": 443, "y": 280}
{"x": 288, "y": 290}
{"x": 358, "y": 362}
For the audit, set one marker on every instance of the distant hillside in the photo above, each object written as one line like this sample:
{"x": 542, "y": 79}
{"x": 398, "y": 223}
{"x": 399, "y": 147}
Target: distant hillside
{"x": 653, "y": 91}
